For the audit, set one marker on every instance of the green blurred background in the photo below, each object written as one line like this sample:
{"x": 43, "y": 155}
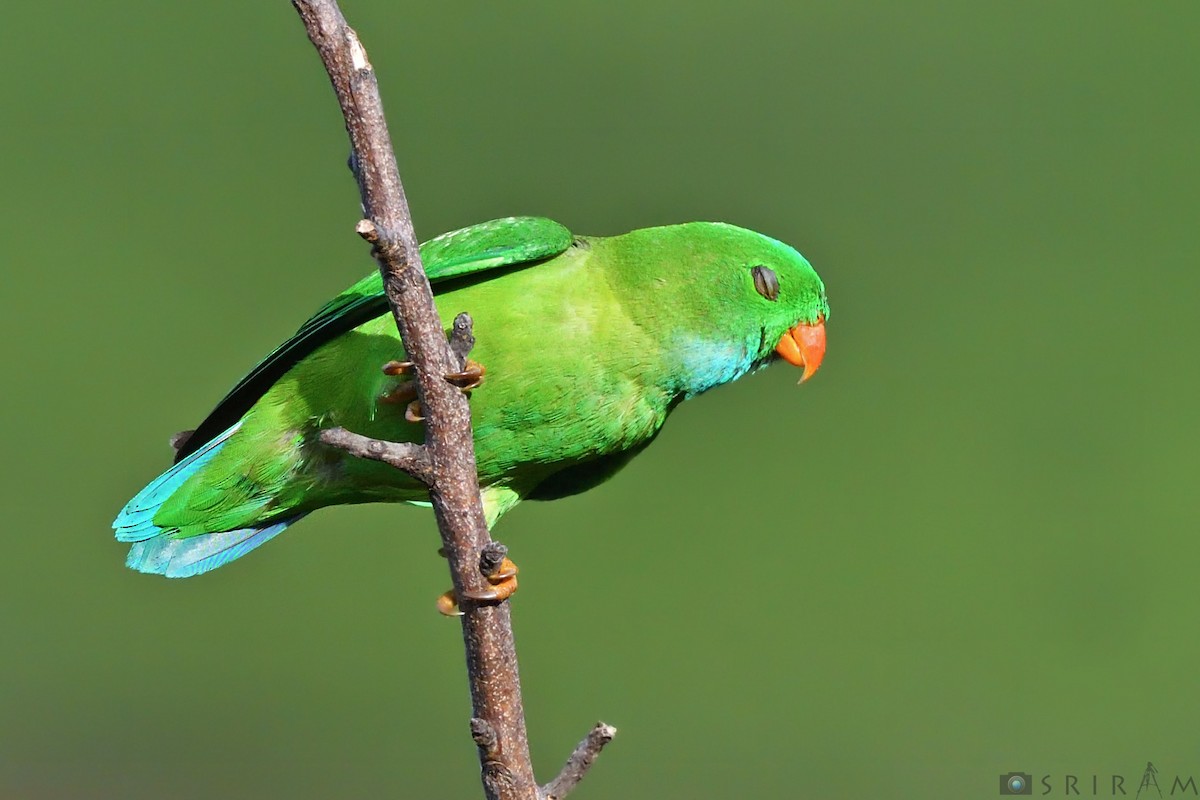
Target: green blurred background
{"x": 968, "y": 547}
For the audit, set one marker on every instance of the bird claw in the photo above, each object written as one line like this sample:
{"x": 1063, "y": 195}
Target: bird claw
{"x": 506, "y": 571}
{"x": 402, "y": 393}
{"x": 469, "y": 377}
{"x": 503, "y": 584}
{"x": 447, "y": 604}
{"x": 405, "y": 392}
{"x": 395, "y": 368}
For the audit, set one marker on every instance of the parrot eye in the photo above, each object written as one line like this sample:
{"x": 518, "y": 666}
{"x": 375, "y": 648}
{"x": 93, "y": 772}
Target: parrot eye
{"x": 765, "y": 282}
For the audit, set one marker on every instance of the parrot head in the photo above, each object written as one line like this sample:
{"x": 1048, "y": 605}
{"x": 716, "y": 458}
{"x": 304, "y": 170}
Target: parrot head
{"x": 729, "y": 299}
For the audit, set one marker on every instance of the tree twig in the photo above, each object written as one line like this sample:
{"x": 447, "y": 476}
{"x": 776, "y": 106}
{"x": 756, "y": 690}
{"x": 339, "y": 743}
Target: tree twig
{"x": 498, "y": 722}
{"x": 579, "y": 763}
{"x": 405, "y": 456}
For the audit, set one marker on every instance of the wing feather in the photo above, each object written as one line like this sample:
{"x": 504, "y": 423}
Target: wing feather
{"x": 508, "y": 242}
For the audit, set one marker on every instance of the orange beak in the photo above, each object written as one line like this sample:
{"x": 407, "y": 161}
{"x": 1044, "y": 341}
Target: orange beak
{"x": 804, "y": 346}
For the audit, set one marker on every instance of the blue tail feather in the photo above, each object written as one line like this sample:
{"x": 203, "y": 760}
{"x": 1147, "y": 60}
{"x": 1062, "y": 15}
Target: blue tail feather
{"x": 160, "y": 550}
{"x": 193, "y": 555}
{"x": 135, "y": 523}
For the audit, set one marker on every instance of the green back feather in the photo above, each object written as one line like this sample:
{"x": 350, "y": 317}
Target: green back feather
{"x": 507, "y": 242}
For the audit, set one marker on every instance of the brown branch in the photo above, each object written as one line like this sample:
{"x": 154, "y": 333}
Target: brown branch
{"x": 579, "y": 763}
{"x": 404, "y": 456}
{"x": 449, "y": 447}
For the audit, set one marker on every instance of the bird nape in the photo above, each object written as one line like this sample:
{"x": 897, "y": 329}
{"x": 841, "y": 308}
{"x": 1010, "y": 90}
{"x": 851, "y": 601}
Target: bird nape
{"x": 586, "y": 344}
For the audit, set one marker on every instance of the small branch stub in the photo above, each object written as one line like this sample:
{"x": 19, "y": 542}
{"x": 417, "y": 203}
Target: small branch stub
{"x": 491, "y": 557}
{"x": 579, "y": 763}
{"x": 358, "y": 54}
{"x": 366, "y": 229}
{"x": 406, "y": 456}
{"x": 462, "y": 338}
{"x": 497, "y": 778}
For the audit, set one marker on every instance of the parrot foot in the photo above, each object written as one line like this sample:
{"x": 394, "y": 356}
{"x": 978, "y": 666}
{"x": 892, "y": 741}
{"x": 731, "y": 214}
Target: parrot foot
{"x": 395, "y": 368}
{"x": 402, "y": 393}
{"x": 469, "y": 377}
{"x": 503, "y": 582}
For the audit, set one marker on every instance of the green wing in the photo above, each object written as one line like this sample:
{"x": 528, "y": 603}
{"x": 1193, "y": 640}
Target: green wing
{"x": 489, "y": 245}
{"x": 507, "y": 242}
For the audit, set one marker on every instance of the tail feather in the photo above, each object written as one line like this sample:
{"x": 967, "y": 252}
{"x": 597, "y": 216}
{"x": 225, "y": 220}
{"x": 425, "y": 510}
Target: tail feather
{"x": 160, "y": 550}
{"x": 135, "y": 523}
{"x": 193, "y": 555}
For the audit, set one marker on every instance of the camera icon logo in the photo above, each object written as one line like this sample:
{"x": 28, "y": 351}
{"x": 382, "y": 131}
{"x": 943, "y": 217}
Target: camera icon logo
{"x": 1016, "y": 783}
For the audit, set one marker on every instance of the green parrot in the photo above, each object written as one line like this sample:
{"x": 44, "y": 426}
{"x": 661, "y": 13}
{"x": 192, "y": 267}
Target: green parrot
{"x": 588, "y": 343}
